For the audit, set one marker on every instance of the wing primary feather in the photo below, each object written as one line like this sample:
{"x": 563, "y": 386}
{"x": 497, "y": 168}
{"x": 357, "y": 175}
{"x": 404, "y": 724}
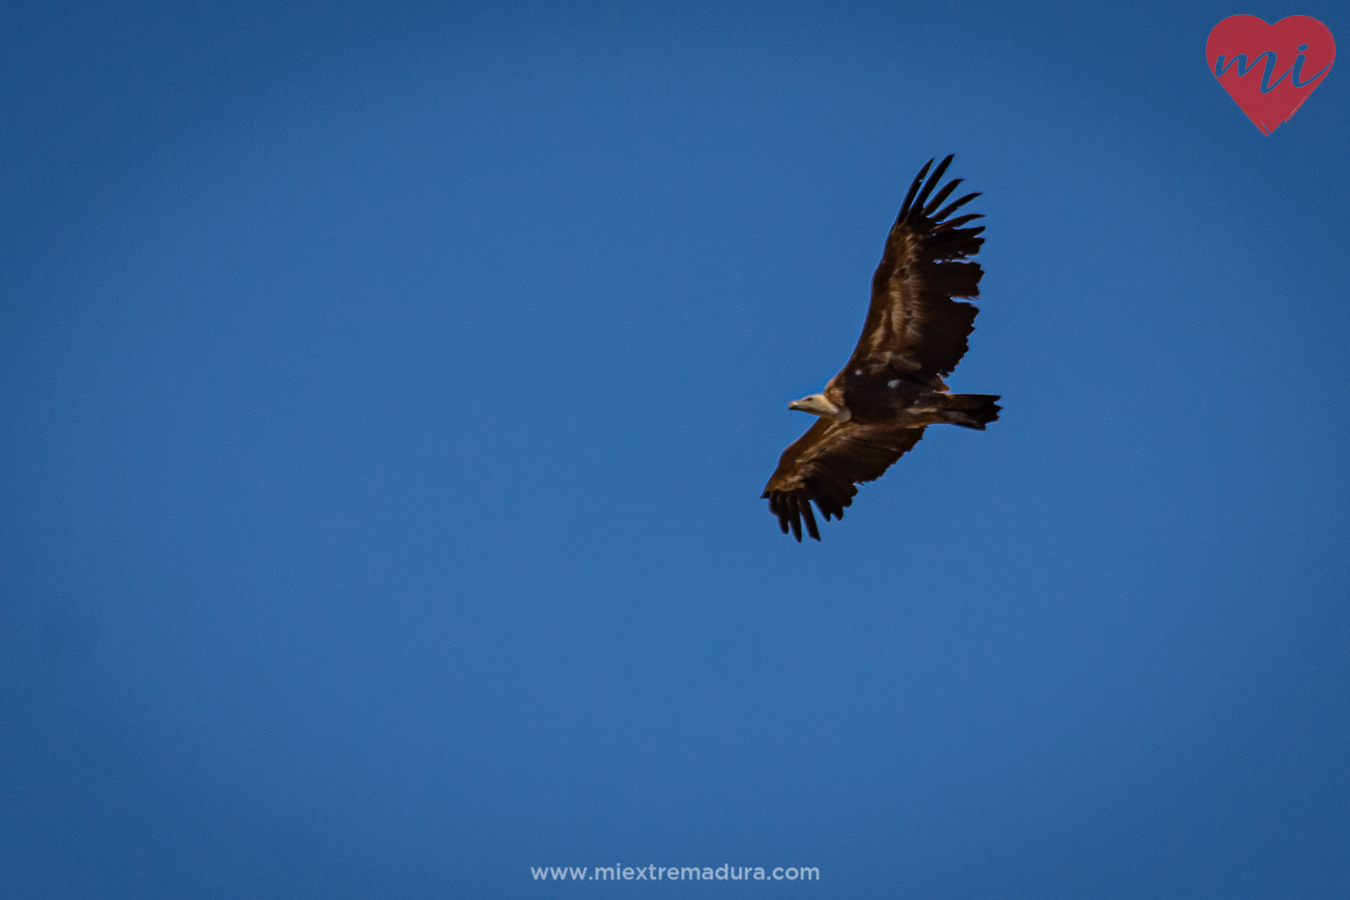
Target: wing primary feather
{"x": 961, "y": 220}
{"x": 913, "y": 189}
{"x": 940, "y": 196}
{"x": 933, "y": 179}
{"x": 954, "y": 206}
{"x": 810, "y": 519}
{"x": 794, "y": 518}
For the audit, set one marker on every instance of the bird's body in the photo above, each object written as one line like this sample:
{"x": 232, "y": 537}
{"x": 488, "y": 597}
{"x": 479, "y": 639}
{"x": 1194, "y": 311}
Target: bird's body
{"x": 877, "y": 407}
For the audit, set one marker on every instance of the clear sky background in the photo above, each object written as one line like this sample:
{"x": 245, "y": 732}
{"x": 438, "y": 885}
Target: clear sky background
{"x": 388, "y": 390}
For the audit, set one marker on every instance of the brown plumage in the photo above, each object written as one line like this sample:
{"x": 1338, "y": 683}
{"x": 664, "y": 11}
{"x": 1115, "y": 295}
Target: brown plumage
{"x": 877, "y": 407}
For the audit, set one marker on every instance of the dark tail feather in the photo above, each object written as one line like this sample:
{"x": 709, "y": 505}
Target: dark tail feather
{"x": 971, "y": 410}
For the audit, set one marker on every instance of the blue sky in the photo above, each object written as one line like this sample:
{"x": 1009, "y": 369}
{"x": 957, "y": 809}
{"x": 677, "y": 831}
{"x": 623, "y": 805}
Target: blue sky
{"x": 389, "y": 389}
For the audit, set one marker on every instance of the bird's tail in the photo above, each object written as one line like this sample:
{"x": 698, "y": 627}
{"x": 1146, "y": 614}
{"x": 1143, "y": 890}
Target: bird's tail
{"x": 971, "y": 410}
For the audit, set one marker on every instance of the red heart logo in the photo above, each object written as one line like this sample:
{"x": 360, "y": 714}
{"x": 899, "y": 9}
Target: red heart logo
{"x": 1270, "y": 69}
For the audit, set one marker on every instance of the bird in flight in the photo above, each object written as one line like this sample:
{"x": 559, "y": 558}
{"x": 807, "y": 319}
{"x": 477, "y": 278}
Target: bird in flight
{"x": 877, "y": 407}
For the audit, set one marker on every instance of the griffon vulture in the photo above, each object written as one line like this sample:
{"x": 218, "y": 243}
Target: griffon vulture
{"x": 877, "y": 407}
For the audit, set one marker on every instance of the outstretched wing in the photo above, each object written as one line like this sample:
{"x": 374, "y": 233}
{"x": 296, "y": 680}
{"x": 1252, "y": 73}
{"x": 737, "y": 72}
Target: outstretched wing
{"x": 914, "y": 326}
{"x": 826, "y": 463}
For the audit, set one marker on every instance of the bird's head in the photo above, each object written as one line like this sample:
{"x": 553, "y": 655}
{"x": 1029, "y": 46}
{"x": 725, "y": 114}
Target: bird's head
{"x": 819, "y": 405}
